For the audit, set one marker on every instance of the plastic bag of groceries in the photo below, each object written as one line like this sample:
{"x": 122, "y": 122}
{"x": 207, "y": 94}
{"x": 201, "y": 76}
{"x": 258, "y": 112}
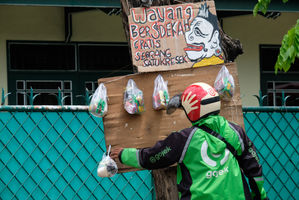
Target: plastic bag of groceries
{"x": 133, "y": 98}
{"x": 107, "y": 167}
{"x": 98, "y": 105}
{"x": 160, "y": 94}
{"x": 224, "y": 84}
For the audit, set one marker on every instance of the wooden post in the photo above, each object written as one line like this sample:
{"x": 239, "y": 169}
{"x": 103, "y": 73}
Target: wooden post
{"x": 165, "y": 179}
{"x": 165, "y": 183}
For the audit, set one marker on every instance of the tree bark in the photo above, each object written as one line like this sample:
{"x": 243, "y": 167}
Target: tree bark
{"x": 165, "y": 183}
{"x": 165, "y": 179}
{"x": 231, "y": 48}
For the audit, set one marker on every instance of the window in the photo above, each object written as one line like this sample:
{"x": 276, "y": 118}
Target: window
{"x": 45, "y": 91}
{"x": 91, "y": 86}
{"x": 93, "y": 57}
{"x": 45, "y": 68}
{"x": 281, "y": 88}
{"x": 44, "y": 56}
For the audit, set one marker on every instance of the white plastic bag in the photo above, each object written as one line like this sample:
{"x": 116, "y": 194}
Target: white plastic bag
{"x": 98, "y": 105}
{"x": 160, "y": 94}
{"x": 133, "y": 98}
{"x": 107, "y": 167}
{"x": 224, "y": 84}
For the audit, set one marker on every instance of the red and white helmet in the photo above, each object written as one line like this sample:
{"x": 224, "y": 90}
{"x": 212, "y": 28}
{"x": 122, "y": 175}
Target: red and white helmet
{"x": 200, "y": 100}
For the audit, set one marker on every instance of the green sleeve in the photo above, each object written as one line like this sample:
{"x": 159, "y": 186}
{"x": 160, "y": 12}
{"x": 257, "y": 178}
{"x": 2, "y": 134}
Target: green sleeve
{"x": 260, "y": 182}
{"x": 130, "y": 157}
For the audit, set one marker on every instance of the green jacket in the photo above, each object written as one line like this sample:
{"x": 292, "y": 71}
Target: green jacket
{"x": 206, "y": 168}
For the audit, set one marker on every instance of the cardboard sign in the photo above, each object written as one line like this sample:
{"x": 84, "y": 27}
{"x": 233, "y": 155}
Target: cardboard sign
{"x": 144, "y": 130}
{"x": 175, "y": 36}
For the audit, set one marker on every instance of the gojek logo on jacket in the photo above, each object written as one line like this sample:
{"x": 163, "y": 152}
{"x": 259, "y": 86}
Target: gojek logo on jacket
{"x": 213, "y": 162}
{"x": 159, "y": 155}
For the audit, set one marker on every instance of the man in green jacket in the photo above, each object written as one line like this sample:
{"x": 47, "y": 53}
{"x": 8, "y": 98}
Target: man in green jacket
{"x": 212, "y": 156}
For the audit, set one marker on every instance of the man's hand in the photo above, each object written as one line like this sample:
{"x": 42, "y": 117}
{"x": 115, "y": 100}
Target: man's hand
{"x": 115, "y": 152}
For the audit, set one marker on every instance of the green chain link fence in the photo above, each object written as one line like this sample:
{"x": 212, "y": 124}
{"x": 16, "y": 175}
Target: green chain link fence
{"x": 53, "y": 154}
{"x": 275, "y": 133}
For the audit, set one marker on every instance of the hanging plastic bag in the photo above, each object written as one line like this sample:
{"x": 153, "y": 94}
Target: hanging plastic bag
{"x": 224, "y": 84}
{"x": 160, "y": 94}
{"x": 98, "y": 105}
{"x": 133, "y": 98}
{"x": 107, "y": 167}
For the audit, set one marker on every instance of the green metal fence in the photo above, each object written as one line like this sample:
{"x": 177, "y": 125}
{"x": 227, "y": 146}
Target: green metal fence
{"x": 275, "y": 133}
{"x": 52, "y": 153}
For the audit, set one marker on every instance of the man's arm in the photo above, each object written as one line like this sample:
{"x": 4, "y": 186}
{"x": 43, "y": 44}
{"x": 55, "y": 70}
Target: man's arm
{"x": 250, "y": 164}
{"x": 164, "y": 153}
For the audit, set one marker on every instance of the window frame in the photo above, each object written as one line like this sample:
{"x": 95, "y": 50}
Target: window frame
{"x": 270, "y": 76}
{"x": 26, "y": 91}
{"x": 98, "y": 44}
{"x": 9, "y": 42}
{"x": 77, "y": 77}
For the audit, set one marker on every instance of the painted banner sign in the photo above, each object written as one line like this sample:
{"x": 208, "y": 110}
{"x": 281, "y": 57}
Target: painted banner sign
{"x": 175, "y": 36}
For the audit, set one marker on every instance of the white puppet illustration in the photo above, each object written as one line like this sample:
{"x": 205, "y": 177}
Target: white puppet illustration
{"x": 203, "y": 39}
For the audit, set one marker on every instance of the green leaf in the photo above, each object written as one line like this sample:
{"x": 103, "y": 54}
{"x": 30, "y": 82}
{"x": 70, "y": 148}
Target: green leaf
{"x": 255, "y": 9}
{"x": 286, "y": 67}
{"x": 277, "y": 67}
{"x": 289, "y": 49}
{"x": 261, "y": 5}
{"x": 290, "y": 52}
{"x": 283, "y": 54}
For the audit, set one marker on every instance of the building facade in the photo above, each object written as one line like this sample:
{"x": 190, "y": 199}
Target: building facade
{"x": 45, "y": 47}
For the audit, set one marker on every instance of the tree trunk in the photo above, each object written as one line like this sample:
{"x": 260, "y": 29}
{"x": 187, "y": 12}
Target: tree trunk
{"x": 165, "y": 179}
{"x": 165, "y": 183}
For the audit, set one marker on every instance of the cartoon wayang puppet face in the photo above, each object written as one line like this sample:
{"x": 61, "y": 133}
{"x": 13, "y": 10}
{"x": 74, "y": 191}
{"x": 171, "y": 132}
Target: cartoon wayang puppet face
{"x": 203, "y": 39}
